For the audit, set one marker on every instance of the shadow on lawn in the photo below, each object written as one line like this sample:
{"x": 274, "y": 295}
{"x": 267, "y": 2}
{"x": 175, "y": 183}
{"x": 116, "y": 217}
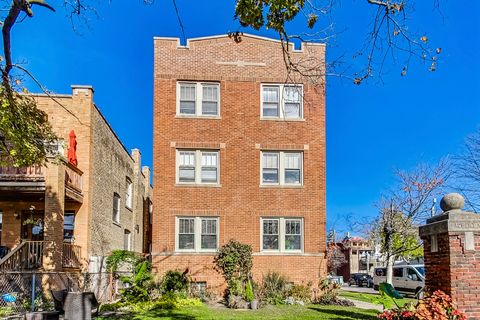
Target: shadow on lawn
{"x": 346, "y": 315}
{"x": 153, "y": 314}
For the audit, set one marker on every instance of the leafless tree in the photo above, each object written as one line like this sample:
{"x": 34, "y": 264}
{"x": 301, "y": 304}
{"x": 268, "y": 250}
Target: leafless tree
{"x": 405, "y": 207}
{"x": 467, "y": 171}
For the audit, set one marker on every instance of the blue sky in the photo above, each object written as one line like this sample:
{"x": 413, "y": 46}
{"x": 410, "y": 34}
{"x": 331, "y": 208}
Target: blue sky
{"x": 371, "y": 129}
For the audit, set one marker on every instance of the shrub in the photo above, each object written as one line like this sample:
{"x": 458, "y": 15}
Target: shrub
{"x": 234, "y": 261}
{"x": 438, "y": 305}
{"x": 140, "y": 284}
{"x": 301, "y": 292}
{"x": 249, "y": 292}
{"x": 174, "y": 281}
{"x": 274, "y": 289}
{"x": 328, "y": 295}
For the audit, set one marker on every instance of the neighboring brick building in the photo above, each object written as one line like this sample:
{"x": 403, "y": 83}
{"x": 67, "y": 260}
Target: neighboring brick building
{"x": 238, "y": 154}
{"x": 77, "y": 213}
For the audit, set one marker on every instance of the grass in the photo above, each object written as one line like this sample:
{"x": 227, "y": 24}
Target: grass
{"x": 269, "y": 312}
{"x": 374, "y": 298}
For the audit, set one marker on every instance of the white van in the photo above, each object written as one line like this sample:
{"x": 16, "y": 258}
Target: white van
{"x": 408, "y": 279}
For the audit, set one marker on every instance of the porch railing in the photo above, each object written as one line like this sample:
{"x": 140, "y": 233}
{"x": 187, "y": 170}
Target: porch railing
{"x": 27, "y": 255}
{"x": 73, "y": 177}
{"x": 71, "y": 256}
{"x": 32, "y": 173}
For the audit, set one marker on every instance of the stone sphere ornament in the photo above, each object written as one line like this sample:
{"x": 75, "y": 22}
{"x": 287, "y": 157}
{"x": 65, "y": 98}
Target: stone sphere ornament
{"x": 452, "y": 201}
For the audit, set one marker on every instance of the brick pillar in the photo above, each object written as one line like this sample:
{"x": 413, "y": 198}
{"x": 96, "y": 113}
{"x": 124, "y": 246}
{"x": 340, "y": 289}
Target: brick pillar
{"x": 452, "y": 254}
{"x": 54, "y": 209}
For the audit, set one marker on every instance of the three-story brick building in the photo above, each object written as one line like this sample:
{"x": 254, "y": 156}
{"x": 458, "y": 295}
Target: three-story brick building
{"x": 239, "y": 153}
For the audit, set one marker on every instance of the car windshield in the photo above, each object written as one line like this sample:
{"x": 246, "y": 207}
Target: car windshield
{"x": 421, "y": 270}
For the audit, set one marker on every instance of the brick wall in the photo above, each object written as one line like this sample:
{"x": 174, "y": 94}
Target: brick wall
{"x": 239, "y": 135}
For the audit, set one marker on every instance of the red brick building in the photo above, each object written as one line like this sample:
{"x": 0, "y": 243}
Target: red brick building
{"x": 239, "y": 153}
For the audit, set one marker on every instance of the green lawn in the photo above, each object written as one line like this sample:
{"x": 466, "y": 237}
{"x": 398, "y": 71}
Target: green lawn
{"x": 268, "y": 312}
{"x": 374, "y": 298}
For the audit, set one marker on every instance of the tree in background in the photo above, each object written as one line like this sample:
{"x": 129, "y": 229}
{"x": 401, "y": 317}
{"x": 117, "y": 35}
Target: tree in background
{"x": 404, "y": 208}
{"x": 467, "y": 171}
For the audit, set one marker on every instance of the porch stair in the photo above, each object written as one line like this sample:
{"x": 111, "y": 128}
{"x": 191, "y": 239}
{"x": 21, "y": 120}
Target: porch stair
{"x": 28, "y": 255}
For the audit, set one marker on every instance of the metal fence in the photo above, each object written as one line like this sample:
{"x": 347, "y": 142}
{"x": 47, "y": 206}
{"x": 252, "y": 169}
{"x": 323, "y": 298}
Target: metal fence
{"x": 21, "y": 292}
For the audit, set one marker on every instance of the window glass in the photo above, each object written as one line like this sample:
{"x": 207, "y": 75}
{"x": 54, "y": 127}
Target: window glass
{"x": 187, "y": 98}
{"x": 209, "y": 234}
{"x": 210, "y": 99}
{"x": 293, "y": 235}
{"x": 186, "y": 171}
{"x": 270, "y": 101}
{"x": 128, "y": 194}
{"x": 116, "y": 208}
{"x": 270, "y": 234}
{"x": 68, "y": 226}
{"x": 127, "y": 240}
{"x": 412, "y": 274}
{"x": 398, "y": 272}
{"x": 292, "y": 168}
{"x": 270, "y": 167}
{"x": 209, "y": 167}
{"x": 292, "y": 98}
{"x": 186, "y": 233}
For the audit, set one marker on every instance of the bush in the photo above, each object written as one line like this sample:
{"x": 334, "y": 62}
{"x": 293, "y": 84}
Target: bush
{"x": 301, "y": 292}
{"x": 274, "y": 289}
{"x": 438, "y": 305}
{"x": 174, "y": 281}
{"x": 249, "y": 292}
{"x": 329, "y": 295}
{"x": 140, "y": 284}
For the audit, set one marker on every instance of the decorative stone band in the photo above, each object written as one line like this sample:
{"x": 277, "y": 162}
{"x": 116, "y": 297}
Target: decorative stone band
{"x": 282, "y": 146}
{"x": 454, "y": 221}
{"x": 197, "y": 145}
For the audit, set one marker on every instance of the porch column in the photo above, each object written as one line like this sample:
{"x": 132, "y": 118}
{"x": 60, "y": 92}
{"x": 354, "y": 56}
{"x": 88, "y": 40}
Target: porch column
{"x": 54, "y": 209}
{"x": 452, "y": 254}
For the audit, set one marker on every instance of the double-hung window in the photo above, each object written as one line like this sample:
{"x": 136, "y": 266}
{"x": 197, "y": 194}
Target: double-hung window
{"x": 281, "y": 101}
{"x": 281, "y": 234}
{"x": 116, "y": 208}
{"x": 198, "y": 99}
{"x": 281, "y": 168}
{"x": 129, "y": 194}
{"x": 197, "y": 234}
{"x": 197, "y": 167}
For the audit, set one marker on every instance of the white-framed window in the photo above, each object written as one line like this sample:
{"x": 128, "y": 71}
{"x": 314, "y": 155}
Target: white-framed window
{"x": 129, "y": 193}
{"x": 197, "y": 234}
{"x": 116, "y": 208}
{"x": 281, "y": 234}
{"x": 281, "y": 101}
{"x": 198, "y": 166}
{"x": 281, "y": 168}
{"x": 199, "y": 99}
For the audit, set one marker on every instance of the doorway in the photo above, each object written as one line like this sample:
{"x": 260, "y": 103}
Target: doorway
{"x": 32, "y": 225}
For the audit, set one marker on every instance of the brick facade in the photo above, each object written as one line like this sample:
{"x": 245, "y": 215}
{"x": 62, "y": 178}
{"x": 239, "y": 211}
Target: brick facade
{"x": 105, "y": 165}
{"x": 452, "y": 257}
{"x": 239, "y": 201}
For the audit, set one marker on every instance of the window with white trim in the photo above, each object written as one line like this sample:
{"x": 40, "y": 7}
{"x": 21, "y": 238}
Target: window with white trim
{"x": 198, "y": 99}
{"x": 197, "y": 234}
{"x": 128, "y": 193}
{"x": 281, "y": 168}
{"x": 281, "y": 234}
{"x": 116, "y": 208}
{"x": 281, "y": 101}
{"x": 197, "y": 166}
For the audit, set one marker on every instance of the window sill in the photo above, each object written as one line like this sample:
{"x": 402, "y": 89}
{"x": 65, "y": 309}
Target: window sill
{"x": 198, "y": 185}
{"x": 198, "y": 117}
{"x": 129, "y": 208}
{"x": 283, "y": 119}
{"x": 283, "y": 186}
{"x": 279, "y": 253}
{"x": 117, "y": 224}
{"x": 196, "y": 253}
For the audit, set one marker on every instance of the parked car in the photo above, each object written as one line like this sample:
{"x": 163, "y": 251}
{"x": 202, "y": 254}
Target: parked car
{"x": 359, "y": 279}
{"x": 407, "y": 279}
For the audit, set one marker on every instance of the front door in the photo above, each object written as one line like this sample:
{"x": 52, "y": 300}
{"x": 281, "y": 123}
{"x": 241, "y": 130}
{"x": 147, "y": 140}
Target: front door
{"x": 32, "y": 225}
